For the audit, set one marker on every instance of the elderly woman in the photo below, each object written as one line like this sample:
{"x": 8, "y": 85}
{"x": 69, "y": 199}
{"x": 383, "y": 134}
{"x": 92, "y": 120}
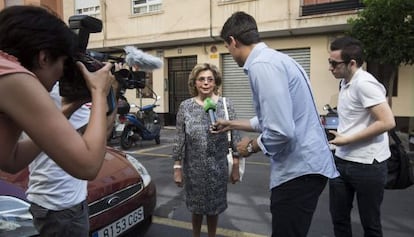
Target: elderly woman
{"x": 200, "y": 162}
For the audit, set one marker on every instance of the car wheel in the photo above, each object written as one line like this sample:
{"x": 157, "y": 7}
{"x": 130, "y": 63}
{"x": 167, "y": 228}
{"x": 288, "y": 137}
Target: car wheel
{"x": 126, "y": 139}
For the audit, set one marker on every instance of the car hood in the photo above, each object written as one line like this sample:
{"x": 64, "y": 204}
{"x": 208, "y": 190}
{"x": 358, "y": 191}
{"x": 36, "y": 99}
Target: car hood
{"x": 114, "y": 175}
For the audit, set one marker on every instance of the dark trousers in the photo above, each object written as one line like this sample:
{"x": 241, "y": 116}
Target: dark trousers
{"x": 69, "y": 222}
{"x": 367, "y": 182}
{"x": 293, "y": 203}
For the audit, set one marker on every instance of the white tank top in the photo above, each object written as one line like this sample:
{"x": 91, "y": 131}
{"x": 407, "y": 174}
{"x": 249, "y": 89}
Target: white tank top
{"x": 50, "y": 186}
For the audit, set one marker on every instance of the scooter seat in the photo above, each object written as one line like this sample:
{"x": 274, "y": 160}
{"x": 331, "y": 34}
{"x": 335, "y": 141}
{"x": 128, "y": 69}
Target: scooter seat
{"x": 147, "y": 107}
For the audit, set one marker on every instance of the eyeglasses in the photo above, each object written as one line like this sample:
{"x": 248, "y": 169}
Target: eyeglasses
{"x": 204, "y": 79}
{"x": 334, "y": 63}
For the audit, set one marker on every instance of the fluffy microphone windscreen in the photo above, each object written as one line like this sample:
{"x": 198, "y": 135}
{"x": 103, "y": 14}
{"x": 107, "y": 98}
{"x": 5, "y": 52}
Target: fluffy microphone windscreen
{"x": 145, "y": 62}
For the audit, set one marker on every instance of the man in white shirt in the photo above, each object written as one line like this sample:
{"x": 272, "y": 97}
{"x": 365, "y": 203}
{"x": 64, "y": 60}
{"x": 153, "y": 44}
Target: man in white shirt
{"x": 361, "y": 141}
{"x": 59, "y": 205}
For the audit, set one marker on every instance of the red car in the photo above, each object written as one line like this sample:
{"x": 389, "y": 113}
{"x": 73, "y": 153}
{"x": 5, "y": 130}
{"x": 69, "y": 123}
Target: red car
{"x": 121, "y": 198}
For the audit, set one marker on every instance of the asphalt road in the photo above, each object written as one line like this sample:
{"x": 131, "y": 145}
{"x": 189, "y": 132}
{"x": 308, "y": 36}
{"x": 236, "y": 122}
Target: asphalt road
{"x": 248, "y": 202}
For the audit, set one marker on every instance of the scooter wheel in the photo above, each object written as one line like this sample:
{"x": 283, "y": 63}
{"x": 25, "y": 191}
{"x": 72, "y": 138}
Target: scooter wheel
{"x": 157, "y": 140}
{"x": 126, "y": 140}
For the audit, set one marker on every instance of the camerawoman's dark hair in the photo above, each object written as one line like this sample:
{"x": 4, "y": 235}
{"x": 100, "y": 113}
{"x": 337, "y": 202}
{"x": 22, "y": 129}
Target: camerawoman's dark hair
{"x": 26, "y": 30}
{"x": 242, "y": 27}
{"x": 201, "y": 68}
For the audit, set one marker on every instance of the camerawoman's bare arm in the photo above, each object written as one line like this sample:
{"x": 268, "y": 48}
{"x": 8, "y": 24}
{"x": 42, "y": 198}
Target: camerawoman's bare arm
{"x": 25, "y": 105}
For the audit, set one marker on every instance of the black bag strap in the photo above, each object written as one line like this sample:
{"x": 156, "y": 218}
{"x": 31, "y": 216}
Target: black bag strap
{"x": 395, "y": 137}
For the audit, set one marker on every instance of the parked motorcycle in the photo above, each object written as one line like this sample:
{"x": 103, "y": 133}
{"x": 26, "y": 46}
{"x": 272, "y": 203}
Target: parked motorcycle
{"x": 142, "y": 125}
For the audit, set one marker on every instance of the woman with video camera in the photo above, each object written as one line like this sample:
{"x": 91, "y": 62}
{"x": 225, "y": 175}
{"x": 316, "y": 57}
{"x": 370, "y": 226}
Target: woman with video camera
{"x": 34, "y": 45}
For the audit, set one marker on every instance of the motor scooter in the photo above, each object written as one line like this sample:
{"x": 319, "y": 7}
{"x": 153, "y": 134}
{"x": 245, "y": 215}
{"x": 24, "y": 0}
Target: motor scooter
{"x": 142, "y": 125}
{"x": 330, "y": 121}
{"x": 123, "y": 108}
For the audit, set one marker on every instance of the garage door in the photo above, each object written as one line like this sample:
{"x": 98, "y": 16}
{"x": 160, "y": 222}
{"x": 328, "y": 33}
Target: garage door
{"x": 236, "y": 85}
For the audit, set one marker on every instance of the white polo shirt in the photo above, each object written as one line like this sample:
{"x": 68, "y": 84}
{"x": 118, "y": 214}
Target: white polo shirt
{"x": 362, "y": 92}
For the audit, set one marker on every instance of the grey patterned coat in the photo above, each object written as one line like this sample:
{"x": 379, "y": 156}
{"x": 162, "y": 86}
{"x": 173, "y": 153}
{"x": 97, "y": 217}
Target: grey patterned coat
{"x": 203, "y": 155}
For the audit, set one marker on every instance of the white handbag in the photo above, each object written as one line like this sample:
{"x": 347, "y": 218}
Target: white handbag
{"x": 242, "y": 162}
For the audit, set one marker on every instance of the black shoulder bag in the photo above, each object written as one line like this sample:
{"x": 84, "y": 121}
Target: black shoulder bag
{"x": 400, "y": 165}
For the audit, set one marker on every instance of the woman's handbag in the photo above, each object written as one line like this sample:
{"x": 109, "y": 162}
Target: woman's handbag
{"x": 400, "y": 165}
{"x": 242, "y": 162}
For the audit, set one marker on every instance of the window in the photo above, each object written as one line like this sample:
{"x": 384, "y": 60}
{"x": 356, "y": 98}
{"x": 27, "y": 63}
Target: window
{"x": 146, "y": 92}
{"x": 314, "y": 7}
{"x": 224, "y": 2}
{"x": 90, "y": 11}
{"x": 90, "y": 8}
{"x": 8, "y": 3}
{"x": 146, "y": 6}
{"x": 311, "y": 2}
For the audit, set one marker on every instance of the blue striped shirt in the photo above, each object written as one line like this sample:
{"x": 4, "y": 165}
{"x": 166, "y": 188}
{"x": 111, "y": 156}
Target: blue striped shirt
{"x": 286, "y": 115}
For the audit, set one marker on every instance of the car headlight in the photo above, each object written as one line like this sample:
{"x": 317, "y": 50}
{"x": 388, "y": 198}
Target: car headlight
{"x": 146, "y": 178}
{"x": 14, "y": 213}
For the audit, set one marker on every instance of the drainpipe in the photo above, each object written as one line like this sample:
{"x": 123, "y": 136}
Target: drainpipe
{"x": 290, "y": 18}
{"x": 211, "y": 23}
{"x": 105, "y": 30}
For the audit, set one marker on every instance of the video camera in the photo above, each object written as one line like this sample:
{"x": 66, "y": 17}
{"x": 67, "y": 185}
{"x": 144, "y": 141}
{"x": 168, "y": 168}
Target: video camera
{"x": 127, "y": 78}
{"x": 72, "y": 84}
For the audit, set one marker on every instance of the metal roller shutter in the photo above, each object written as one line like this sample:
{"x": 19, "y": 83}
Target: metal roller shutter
{"x": 236, "y": 87}
{"x": 236, "y": 84}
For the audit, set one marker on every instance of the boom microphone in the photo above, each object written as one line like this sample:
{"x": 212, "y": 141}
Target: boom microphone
{"x": 210, "y": 108}
{"x": 144, "y": 61}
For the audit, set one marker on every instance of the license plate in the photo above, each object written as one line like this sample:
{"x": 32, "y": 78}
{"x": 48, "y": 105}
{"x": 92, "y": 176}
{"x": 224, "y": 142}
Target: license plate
{"x": 120, "y": 127}
{"x": 123, "y": 224}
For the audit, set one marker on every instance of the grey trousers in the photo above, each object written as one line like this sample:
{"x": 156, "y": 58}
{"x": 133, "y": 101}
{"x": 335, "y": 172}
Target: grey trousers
{"x": 73, "y": 221}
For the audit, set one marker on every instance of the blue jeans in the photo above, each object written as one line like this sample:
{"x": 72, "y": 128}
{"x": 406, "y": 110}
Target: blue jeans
{"x": 293, "y": 204}
{"x": 366, "y": 181}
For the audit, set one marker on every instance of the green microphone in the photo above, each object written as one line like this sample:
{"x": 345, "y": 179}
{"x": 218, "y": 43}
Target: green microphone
{"x": 210, "y": 108}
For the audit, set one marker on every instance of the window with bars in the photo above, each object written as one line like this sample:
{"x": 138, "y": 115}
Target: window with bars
{"x": 145, "y": 6}
{"x": 314, "y": 7}
{"x": 311, "y": 2}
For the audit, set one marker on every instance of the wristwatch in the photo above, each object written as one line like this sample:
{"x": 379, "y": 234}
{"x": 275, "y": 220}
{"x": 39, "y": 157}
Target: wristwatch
{"x": 250, "y": 147}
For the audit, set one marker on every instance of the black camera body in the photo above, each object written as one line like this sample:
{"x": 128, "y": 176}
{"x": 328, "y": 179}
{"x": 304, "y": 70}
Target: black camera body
{"x": 72, "y": 84}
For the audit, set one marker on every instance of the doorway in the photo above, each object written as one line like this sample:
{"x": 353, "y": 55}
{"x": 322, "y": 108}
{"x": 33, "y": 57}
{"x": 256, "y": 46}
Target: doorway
{"x": 178, "y": 70}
